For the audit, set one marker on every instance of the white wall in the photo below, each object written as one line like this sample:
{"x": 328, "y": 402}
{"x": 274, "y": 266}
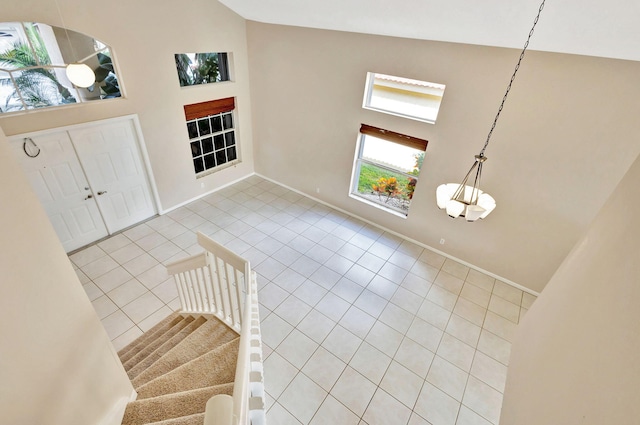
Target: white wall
{"x": 560, "y": 147}
{"x": 575, "y": 357}
{"x": 57, "y": 365}
{"x": 144, "y": 36}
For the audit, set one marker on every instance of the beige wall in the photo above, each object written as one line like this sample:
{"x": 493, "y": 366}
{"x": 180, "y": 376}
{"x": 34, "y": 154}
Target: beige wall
{"x": 144, "y": 36}
{"x": 561, "y": 146}
{"x": 575, "y": 357}
{"x": 57, "y": 365}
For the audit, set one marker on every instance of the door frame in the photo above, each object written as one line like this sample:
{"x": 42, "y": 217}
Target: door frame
{"x": 142, "y": 147}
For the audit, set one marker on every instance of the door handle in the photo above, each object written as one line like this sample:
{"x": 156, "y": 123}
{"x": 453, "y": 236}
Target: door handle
{"x": 102, "y": 193}
{"x": 88, "y": 197}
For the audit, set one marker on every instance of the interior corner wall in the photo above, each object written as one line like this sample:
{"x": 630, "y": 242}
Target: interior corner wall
{"x": 57, "y": 363}
{"x": 561, "y": 146}
{"x": 144, "y": 36}
{"x": 575, "y": 356}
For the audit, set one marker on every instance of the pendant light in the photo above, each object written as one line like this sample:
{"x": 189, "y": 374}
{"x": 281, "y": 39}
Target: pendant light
{"x": 465, "y": 200}
{"x": 79, "y": 74}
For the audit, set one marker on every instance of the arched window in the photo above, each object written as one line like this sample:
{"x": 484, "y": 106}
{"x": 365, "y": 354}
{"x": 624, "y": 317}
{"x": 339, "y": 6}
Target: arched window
{"x": 33, "y": 58}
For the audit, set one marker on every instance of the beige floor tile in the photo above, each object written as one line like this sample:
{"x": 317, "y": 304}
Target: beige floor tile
{"x": 302, "y": 398}
{"x": 455, "y": 351}
{"x": 354, "y": 391}
{"x": 447, "y": 377}
{"x": 482, "y": 399}
{"x": 437, "y": 407}
{"x": 324, "y": 368}
{"x": 414, "y": 357}
{"x": 402, "y": 384}
{"x": 370, "y": 362}
{"x": 384, "y": 410}
{"x": 333, "y": 412}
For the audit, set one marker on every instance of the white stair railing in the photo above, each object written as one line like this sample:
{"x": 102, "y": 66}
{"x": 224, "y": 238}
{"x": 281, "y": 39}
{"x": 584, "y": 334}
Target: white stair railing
{"x": 220, "y": 282}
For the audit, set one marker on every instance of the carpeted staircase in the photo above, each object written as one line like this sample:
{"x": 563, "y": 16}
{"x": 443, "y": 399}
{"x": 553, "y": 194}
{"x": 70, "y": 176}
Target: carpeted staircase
{"x": 176, "y": 367}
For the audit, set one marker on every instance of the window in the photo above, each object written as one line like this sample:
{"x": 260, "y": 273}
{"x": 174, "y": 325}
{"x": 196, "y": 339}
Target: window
{"x": 202, "y": 68}
{"x": 212, "y": 137}
{"x": 386, "y": 168}
{"x": 414, "y": 99}
{"x": 33, "y": 58}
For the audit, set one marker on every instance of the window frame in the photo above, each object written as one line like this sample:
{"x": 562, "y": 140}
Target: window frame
{"x": 388, "y": 136}
{"x": 407, "y": 83}
{"x": 197, "y": 112}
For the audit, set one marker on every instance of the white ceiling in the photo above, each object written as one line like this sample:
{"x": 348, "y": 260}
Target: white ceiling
{"x": 587, "y": 27}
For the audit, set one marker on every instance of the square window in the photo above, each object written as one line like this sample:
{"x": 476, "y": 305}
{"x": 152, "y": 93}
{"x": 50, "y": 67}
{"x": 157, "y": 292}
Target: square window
{"x": 216, "y": 123}
{"x": 230, "y": 138}
{"x": 207, "y": 145}
{"x": 221, "y": 158}
{"x": 192, "y": 128}
{"x": 198, "y": 165}
{"x": 209, "y": 161}
{"x": 212, "y": 138}
{"x": 386, "y": 168}
{"x": 204, "y": 126}
{"x": 195, "y": 149}
{"x": 228, "y": 121}
{"x": 218, "y": 141}
{"x": 231, "y": 153}
{"x": 202, "y": 68}
{"x": 404, "y": 97}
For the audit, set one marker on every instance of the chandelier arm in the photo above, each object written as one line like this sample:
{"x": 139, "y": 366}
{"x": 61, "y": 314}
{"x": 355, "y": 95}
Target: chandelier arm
{"x": 513, "y": 77}
{"x": 460, "y": 190}
{"x": 476, "y": 185}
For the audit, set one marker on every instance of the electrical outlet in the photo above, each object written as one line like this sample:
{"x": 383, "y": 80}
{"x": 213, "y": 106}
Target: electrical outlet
{"x": 202, "y": 185}
{"x": 442, "y": 241}
{"x": 317, "y": 190}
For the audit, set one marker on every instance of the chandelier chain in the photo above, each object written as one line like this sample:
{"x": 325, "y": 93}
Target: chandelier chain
{"x": 513, "y": 77}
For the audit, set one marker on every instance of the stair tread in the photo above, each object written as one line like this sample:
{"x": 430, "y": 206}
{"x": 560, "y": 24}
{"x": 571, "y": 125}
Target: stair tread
{"x": 197, "y": 419}
{"x": 164, "y": 348}
{"x": 132, "y": 348}
{"x": 152, "y": 344}
{"x": 172, "y": 405}
{"x": 208, "y": 336}
{"x": 212, "y": 368}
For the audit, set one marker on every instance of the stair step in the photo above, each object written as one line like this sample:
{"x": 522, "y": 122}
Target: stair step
{"x": 134, "y": 347}
{"x": 197, "y": 419}
{"x": 166, "y": 347}
{"x": 157, "y": 342}
{"x": 207, "y": 337}
{"x": 213, "y": 368}
{"x": 172, "y": 406}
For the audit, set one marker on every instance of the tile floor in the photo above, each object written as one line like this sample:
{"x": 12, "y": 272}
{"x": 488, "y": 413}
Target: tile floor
{"x": 359, "y": 325}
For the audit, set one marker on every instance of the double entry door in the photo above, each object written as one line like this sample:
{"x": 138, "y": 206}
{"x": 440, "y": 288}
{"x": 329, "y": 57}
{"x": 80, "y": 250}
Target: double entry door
{"x": 90, "y": 179}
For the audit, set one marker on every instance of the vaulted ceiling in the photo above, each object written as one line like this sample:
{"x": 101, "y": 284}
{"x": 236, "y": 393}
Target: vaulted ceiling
{"x": 586, "y": 27}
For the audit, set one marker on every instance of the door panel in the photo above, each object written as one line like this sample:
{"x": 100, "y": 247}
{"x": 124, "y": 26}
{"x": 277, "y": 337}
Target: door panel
{"x": 111, "y": 159}
{"x": 59, "y": 182}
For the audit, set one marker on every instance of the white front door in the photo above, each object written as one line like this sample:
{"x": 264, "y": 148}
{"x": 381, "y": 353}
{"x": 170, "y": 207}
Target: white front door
{"x": 57, "y": 178}
{"x": 109, "y": 153}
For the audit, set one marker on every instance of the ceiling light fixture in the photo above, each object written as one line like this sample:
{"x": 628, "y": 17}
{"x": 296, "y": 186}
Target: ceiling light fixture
{"x": 78, "y": 73}
{"x": 463, "y": 200}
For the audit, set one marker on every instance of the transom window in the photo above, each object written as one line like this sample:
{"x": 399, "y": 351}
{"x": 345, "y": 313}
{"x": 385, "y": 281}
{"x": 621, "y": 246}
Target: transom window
{"x": 33, "y": 58}
{"x": 404, "y": 97}
{"x": 210, "y": 126}
{"x": 386, "y": 168}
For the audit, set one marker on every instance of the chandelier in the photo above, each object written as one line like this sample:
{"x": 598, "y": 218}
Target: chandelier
{"x": 463, "y": 199}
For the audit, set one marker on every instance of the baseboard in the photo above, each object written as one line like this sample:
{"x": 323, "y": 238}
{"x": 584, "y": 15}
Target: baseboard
{"x": 182, "y": 204}
{"x": 437, "y": 251}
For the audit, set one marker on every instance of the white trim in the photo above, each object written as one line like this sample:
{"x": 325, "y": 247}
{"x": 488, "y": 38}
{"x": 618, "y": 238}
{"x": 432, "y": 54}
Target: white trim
{"x": 182, "y": 204}
{"x": 488, "y": 273}
{"x": 146, "y": 161}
